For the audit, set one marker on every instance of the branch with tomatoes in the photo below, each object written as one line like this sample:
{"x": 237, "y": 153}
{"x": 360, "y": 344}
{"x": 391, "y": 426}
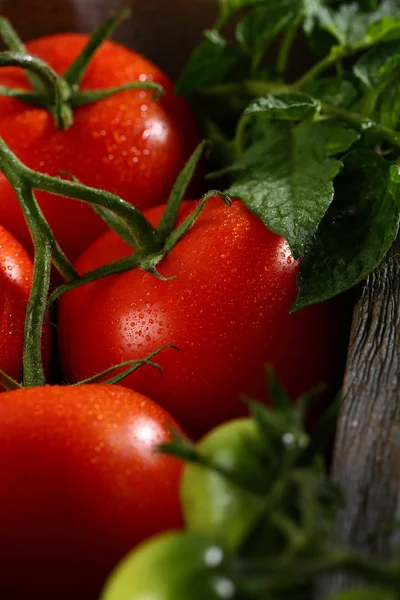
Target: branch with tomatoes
{"x": 101, "y": 240}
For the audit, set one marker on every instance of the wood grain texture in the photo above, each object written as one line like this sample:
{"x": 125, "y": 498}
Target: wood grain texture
{"x": 164, "y": 30}
{"x": 367, "y": 450}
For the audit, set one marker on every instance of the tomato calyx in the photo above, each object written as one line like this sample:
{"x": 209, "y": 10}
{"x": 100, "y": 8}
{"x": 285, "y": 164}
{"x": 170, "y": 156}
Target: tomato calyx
{"x": 149, "y": 244}
{"x": 153, "y": 249}
{"x": 7, "y": 382}
{"x": 47, "y": 251}
{"x": 128, "y": 366}
{"x": 61, "y": 94}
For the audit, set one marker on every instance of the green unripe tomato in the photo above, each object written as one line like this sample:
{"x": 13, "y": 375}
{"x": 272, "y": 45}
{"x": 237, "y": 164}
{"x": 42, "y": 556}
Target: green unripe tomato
{"x": 216, "y": 506}
{"x": 171, "y": 566}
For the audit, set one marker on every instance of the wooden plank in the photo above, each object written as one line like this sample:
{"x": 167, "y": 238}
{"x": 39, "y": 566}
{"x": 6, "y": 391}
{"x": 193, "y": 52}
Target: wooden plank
{"x": 163, "y": 30}
{"x": 367, "y": 451}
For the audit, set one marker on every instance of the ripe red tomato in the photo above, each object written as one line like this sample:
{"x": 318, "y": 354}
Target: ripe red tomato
{"x": 16, "y": 271}
{"x": 227, "y": 310}
{"x": 81, "y": 484}
{"x": 127, "y": 144}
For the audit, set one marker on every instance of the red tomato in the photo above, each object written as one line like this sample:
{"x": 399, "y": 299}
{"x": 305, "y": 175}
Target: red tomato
{"x": 127, "y": 144}
{"x": 16, "y": 272}
{"x": 227, "y": 310}
{"x": 81, "y": 484}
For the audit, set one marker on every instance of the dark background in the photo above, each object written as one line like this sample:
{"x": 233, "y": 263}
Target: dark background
{"x": 164, "y": 30}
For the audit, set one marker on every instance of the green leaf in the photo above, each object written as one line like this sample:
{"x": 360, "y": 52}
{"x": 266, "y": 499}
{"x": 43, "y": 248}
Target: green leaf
{"x": 213, "y": 62}
{"x": 388, "y": 108}
{"x": 314, "y": 12}
{"x": 295, "y": 106}
{"x": 379, "y": 71}
{"x": 180, "y": 447}
{"x": 285, "y": 175}
{"x": 279, "y": 397}
{"x": 347, "y": 24}
{"x": 334, "y": 90}
{"x": 369, "y": 67}
{"x": 229, "y": 7}
{"x": 352, "y": 26}
{"x": 366, "y": 593}
{"x": 260, "y": 25}
{"x": 390, "y": 70}
{"x": 357, "y": 231}
{"x": 385, "y": 29}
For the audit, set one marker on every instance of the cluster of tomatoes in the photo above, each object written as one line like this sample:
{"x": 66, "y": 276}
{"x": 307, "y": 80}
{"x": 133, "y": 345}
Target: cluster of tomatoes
{"x": 82, "y": 481}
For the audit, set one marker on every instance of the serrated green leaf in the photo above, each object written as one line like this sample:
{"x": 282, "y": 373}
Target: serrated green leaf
{"x": 347, "y": 24}
{"x": 352, "y": 26}
{"x": 334, "y": 90}
{"x": 379, "y": 71}
{"x": 385, "y": 28}
{"x": 213, "y": 62}
{"x": 291, "y": 106}
{"x": 285, "y": 175}
{"x": 368, "y": 67}
{"x": 357, "y": 230}
{"x": 313, "y": 11}
{"x": 261, "y": 24}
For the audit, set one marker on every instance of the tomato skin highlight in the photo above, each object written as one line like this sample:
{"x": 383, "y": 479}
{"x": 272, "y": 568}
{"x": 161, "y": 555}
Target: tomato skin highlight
{"x": 16, "y": 272}
{"x": 227, "y": 310}
{"x": 81, "y": 484}
{"x": 172, "y": 566}
{"x": 128, "y": 144}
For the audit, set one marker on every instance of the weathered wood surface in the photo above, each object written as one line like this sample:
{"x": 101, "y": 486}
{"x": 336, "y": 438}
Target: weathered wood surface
{"x": 164, "y": 30}
{"x": 367, "y": 450}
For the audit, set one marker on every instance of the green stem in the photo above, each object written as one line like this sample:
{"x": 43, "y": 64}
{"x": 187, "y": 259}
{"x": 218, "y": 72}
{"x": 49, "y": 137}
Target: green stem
{"x": 370, "y": 101}
{"x": 7, "y": 382}
{"x": 25, "y": 96}
{"x": 133, "y": 365}
{"x": 316, "y": 70}
{"x": 168, "y": 219}
{"x": 119, "y": 266}
{"x": 339, "y": 67}
{"x": 60, "y": 260}
{"x": 118, "y": 225}
{"x": 339, "y": 53}
{"x": 240, "y": 133}
{"x": 262, "y": 88}
{"x": 144, "y": 234}
{"x": 18, "y": 176}
{"x": 247, "y": 87}
{"x": 361, "y": 123}
{"x": 32, "y": 363}
{"x": 285, "y": 49}
{"x": 142, "y": 231}
{"x": 15, "y": 44}
{"x": 90, "y": 96}
{"x": 148, "y": 262}
{"x": 54, "y": 84}
{"x": 74, "y": 74}
{"x": 222, "y": 20}
{"x": 59, "y": 95}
